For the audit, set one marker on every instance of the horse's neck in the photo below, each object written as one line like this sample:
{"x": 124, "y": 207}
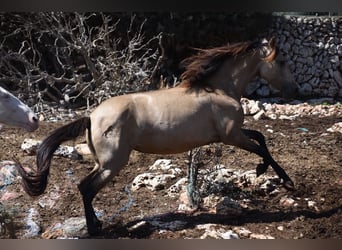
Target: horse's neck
{"x": 234, "y": 75}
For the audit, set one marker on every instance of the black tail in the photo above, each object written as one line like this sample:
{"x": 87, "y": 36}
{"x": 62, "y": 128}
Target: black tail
{"x": 35, "y": 183}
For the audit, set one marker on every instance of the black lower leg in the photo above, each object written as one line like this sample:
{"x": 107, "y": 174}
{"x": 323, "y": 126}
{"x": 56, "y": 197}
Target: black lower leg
{"x": 288, "y": 183}
{"x": 262, "y": 151}
{"x": 255, "y": 135}
{"x": 262, "y": 168}
{"x": 259, "y": 137}
{"x": 94, "y": 225}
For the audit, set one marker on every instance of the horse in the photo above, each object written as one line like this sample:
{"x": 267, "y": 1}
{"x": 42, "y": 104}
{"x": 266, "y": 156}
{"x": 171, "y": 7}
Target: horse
{"x": 15, "y": 113}
{"x": 203, "y": 108}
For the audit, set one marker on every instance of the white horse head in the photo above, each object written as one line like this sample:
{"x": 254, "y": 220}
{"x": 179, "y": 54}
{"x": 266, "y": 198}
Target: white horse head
{"x": 15, "y": 113}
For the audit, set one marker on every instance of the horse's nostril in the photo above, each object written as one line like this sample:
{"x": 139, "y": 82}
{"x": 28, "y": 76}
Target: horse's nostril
{"x": 34, "y": 118}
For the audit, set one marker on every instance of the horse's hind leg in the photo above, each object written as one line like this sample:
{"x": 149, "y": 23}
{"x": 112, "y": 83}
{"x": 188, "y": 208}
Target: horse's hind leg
{"x": 92, "y": 184}
{"x": 88, "y": 191}
{"x": 241, "y": 139}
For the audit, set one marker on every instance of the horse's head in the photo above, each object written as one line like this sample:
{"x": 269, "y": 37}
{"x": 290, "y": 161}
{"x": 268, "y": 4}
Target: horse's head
{"x": 276, "y": 71}
{"x": 15, "y": 113}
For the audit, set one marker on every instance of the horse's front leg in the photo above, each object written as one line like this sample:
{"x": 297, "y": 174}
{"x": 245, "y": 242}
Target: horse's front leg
{"x": 241, "y": 138}
{"x": 260, "y": 138}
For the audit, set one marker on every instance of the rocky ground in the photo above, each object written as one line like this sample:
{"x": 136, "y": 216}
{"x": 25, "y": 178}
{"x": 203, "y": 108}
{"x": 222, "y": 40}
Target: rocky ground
{"x": 148, "y": 198}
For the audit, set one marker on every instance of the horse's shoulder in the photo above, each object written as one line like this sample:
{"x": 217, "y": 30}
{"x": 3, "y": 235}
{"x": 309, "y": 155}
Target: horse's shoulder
{"x": 225, "y": 101}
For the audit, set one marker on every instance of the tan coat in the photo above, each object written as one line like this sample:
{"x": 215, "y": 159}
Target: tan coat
{"x": 204, "y": 108}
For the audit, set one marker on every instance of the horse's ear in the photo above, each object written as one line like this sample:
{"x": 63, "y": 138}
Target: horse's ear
{"x": 270, "y": 51}
{"x": 272, "y": 43}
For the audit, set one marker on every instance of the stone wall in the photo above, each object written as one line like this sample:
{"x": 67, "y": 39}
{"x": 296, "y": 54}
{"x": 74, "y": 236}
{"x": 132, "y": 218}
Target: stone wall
{"x": 313, "y": 47}
{"x": 311, "y": 44}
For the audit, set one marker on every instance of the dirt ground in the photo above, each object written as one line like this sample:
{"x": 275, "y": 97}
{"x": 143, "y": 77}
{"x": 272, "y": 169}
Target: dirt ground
{"x": 311, "y": 156}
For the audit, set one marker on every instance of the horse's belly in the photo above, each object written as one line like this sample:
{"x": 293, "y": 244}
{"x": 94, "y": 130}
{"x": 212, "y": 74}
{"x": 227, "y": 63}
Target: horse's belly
{"x": 169, "y": 143}
{"x": 166, "y": 148}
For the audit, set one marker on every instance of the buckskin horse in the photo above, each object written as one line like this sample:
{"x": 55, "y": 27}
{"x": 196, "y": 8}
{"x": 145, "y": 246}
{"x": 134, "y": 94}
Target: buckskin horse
{"x": 15, "y": 113}
{"x": 203, "y": 108}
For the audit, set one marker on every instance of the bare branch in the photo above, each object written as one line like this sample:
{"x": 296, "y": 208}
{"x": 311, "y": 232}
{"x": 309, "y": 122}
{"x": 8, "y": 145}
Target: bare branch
{"x": 68, "y": 57}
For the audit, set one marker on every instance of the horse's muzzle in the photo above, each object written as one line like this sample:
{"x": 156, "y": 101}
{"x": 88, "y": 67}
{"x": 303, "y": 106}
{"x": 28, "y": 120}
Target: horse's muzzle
{"x": 33, "y": 122}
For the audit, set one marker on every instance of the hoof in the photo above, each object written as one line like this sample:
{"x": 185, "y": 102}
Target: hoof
{"x": 95, "y": 229}
{"x": 289, "y": 185}
{"x": 261, "y": 169}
